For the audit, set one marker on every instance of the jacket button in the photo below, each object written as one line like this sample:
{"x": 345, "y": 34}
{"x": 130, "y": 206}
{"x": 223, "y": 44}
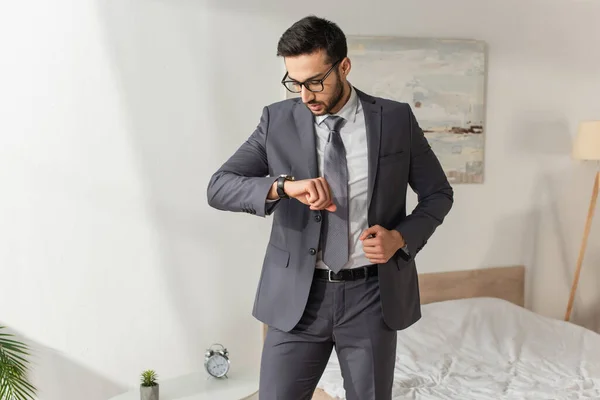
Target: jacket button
{"x": 318, "y": 217}
{"x": 312, "y": 251}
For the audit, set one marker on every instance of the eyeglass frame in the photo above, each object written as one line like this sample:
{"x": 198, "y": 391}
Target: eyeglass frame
{"x": 283, "y": 81}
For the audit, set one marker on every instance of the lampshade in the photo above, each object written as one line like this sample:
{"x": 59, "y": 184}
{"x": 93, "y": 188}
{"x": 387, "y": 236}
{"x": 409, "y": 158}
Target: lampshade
{"x": 587, "y": 143}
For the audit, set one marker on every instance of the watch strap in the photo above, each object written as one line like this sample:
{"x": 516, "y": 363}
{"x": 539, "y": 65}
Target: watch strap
{"x": 280, "y": 190}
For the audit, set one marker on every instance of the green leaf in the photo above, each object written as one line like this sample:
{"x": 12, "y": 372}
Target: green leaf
{"x": 13, "y": 369}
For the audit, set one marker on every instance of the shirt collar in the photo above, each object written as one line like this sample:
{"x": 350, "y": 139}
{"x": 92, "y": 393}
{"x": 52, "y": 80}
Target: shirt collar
{"x": 348, "y": 111}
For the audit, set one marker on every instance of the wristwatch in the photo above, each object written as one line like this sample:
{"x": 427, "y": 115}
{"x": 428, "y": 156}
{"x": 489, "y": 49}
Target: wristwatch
{"x": 280, "y": 192}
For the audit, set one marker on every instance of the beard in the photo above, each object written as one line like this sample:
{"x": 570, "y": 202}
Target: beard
{"x": 333, "y": 101}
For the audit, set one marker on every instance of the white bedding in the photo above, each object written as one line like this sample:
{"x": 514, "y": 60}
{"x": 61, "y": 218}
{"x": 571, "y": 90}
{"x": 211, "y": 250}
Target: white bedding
{"x": 486, "y": 348}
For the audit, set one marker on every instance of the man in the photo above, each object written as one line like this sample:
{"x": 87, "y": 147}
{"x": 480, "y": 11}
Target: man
{"x": 333, "y": 167}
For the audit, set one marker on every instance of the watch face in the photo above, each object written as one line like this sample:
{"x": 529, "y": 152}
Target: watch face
{"x": 217, "y": 365}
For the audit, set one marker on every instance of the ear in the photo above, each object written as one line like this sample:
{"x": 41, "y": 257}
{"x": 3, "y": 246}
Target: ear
{"x": 345, "y": 66}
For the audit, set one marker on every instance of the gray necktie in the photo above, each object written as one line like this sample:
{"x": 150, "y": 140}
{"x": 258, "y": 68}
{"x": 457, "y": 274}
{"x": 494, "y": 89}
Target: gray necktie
{"x": 335, "y": 224}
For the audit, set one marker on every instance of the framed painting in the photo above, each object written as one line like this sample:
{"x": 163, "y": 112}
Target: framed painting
{"x": 444, "y": 82}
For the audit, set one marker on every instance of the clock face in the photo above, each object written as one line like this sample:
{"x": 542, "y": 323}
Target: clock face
{"x": 217, "y": 365}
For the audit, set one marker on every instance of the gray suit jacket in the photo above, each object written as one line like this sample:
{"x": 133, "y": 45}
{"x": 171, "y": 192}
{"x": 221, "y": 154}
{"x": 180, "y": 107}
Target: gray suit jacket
{"x": 284, "y": 143}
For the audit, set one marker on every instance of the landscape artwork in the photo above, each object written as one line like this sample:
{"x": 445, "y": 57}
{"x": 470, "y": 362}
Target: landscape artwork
{"x": 443, "y": 80}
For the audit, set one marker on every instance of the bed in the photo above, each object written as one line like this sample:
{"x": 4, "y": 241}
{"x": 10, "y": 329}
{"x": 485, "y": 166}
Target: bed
{"x": 476, "y": 341}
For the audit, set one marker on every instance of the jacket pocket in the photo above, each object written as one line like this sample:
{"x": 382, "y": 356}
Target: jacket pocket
{"x": 390, "y": 158}
{"x": 276, "y": 257}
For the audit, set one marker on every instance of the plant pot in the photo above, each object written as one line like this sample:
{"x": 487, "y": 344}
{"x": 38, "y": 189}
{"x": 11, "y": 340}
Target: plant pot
{"x": 149, "y": 392}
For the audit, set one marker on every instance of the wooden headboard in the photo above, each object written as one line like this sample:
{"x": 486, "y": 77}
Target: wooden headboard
{"x": 507, "y": 283}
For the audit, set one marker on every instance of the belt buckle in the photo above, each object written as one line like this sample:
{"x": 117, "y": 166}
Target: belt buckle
{"x": 333, "y": 280}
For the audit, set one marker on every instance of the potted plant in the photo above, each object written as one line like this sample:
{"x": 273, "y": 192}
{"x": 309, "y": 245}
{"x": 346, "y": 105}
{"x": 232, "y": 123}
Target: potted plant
{"x": 13, "y": 369}
{"x": 149, "y": 386}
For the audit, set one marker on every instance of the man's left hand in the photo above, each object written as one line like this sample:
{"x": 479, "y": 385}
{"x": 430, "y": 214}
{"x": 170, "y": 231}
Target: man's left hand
{"x": 381, "y": 244}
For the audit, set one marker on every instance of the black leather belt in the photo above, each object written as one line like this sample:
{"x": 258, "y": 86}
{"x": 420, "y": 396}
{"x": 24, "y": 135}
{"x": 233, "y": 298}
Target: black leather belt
{"x": 347, "y": 274}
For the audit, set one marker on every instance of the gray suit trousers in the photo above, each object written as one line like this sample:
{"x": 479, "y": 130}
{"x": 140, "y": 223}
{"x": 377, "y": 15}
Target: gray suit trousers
{"x": 346, "y": 315}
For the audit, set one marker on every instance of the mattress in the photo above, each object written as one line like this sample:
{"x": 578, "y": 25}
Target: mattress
{"x": 486, "y": 348}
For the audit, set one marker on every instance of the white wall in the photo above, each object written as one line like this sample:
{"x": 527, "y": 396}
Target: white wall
{"x": 114, "y": 114}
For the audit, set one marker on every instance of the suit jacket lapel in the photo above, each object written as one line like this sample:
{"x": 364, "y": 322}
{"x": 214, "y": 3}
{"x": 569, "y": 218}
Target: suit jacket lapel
{"x": 304, "y": 121}
{"x": 372, "y": 113}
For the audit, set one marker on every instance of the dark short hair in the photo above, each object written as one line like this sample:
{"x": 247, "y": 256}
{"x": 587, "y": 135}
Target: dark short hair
{"x": 312, "y": 34}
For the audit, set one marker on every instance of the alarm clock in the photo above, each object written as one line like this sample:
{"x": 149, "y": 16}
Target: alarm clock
{"x": 216, "y": 361}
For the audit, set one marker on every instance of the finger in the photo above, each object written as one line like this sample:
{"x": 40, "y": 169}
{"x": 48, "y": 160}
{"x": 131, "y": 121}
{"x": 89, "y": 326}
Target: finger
{"x": 373, "y": 252}
{"x": 373, "y": 234}
{"x": 367, "y": 232}
{"x": 328, "y": 194}
{"x": 323, "y": 200}
{"x": 378, "y": 231}
{"x": 332, "y": 207}
{"x": 311, "y": 190}
{"x": 376, "y": 255}
{"x": 370, "y": 247}
{"x": 372, "y": 241}
{"x": 327, "y": 189}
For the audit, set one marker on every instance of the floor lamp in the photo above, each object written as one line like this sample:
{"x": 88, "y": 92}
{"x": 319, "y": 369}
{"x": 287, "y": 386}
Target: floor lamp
{"x": 586, "y": 147}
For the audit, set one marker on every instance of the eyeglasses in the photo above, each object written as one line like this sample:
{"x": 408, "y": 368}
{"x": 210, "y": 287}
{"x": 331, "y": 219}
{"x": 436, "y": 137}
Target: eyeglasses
{"x": 314, "y": 85}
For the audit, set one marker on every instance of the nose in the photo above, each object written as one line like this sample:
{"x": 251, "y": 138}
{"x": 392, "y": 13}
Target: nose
{"x": 307, "y": 95}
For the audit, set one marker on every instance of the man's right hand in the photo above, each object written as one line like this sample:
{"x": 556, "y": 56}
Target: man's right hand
{"x": 315, "y": 193}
